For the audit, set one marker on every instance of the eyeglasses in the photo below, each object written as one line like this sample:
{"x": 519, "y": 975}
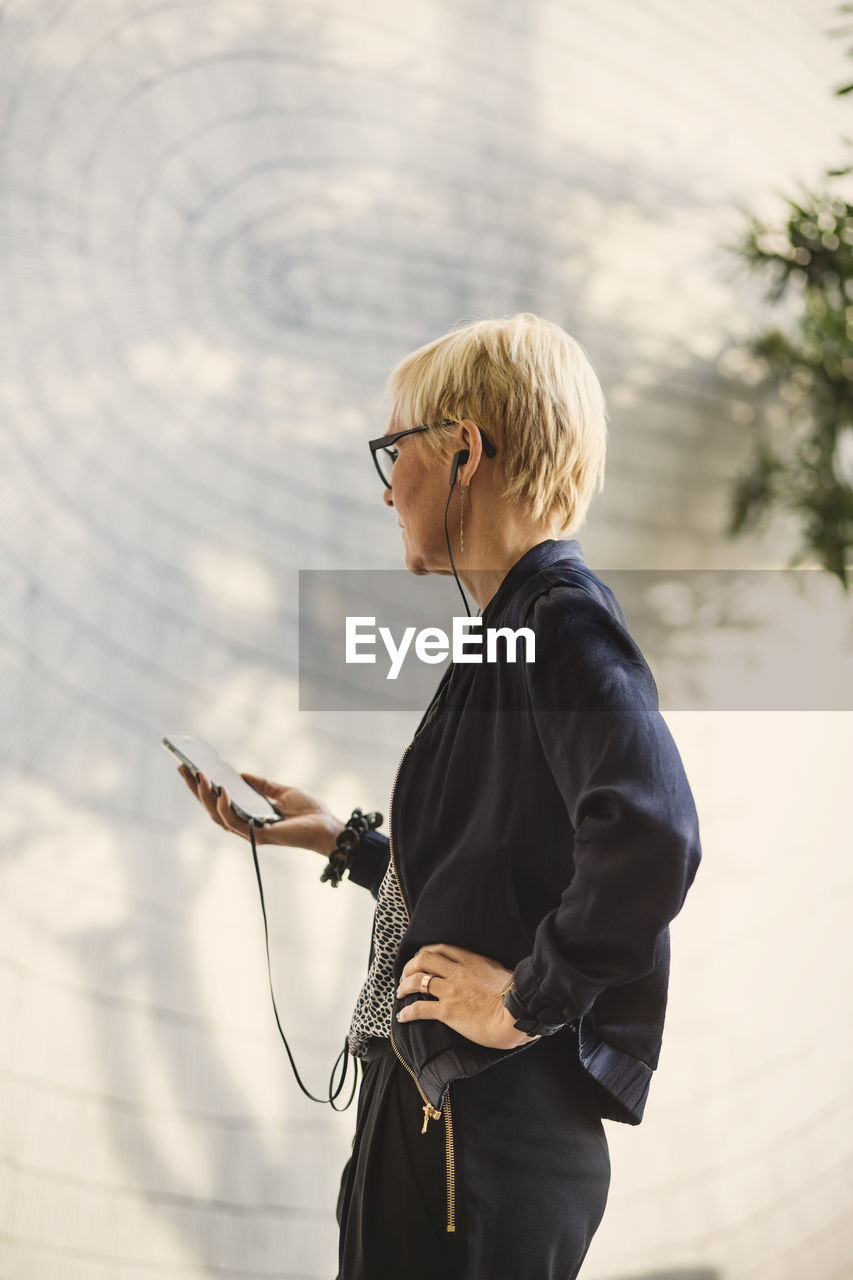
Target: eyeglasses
{"x": 385, "y": 455}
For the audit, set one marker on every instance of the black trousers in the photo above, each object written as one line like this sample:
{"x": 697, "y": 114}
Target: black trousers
{"x": 520, "y": 1172}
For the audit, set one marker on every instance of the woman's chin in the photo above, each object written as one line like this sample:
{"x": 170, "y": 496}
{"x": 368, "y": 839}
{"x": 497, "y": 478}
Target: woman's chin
{"x": 414, "y": 560}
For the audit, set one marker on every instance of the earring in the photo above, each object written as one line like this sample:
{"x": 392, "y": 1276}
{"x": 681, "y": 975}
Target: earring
{"x": 461, "y": 515}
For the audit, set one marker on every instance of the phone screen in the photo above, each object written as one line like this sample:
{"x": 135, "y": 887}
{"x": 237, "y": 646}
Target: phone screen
{"x": 201, "y": 757}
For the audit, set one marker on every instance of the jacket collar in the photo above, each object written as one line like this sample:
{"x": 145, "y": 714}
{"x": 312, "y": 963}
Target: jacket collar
{"x": 534, "y": 560}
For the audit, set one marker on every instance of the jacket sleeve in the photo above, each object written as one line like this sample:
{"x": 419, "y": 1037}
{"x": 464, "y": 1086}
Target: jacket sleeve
{"x": 636, "y": 835}
{"x": 369, "y": 861}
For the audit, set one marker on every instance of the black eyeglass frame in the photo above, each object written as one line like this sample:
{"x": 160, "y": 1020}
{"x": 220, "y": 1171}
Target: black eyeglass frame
{"x": 384, "y": 442}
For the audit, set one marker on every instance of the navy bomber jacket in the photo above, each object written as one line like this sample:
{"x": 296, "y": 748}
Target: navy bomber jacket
{"x": 541, "y": 816}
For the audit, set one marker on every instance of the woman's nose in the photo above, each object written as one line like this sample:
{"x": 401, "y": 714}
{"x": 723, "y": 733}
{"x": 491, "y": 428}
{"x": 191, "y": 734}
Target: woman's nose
{"x": 386, "y": 497}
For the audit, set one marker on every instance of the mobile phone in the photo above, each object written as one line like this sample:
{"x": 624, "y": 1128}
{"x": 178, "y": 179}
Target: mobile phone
{"x": 200, "y": 757}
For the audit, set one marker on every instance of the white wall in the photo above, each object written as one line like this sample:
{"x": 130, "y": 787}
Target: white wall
{"x": 221, "y": 225}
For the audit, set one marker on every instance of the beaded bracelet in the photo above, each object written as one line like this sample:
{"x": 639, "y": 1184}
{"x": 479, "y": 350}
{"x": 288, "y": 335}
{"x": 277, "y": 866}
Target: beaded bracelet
{"x": 357, "y": 826}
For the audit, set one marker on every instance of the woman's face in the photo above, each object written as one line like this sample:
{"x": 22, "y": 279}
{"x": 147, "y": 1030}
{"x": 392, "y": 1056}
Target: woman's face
{"x": 419, "y": 493}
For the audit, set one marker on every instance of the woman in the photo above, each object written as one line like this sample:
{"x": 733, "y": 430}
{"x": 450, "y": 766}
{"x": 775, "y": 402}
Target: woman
{"x": 542, "y": 837}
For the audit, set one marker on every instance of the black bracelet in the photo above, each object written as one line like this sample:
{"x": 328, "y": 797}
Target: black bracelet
{"x": 522, "y": 1018}
{"x": 357, "y": 826}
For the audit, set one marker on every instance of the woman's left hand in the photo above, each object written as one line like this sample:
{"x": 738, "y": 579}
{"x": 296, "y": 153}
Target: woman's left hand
{"x": 469, "y": 990}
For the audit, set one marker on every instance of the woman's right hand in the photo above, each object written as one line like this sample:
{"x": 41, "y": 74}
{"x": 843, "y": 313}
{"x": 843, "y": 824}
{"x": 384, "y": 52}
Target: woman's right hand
{"x": 306, "y": 823}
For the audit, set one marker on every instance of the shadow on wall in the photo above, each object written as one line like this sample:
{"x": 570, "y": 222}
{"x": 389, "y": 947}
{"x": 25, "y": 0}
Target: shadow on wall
{"x": 308, "y": 198}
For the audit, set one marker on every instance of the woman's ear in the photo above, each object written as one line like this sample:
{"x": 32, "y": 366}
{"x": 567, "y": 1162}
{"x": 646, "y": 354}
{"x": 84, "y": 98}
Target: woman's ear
{"x": 458, "y": 460}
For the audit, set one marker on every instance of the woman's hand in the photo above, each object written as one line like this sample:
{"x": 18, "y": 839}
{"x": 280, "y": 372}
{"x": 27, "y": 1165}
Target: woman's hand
{"x": 469, "y": 990}
{"x": 306, "y": 823}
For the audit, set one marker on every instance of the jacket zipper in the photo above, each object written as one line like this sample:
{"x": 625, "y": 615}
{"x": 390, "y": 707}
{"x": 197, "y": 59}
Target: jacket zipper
{"x": 430, "y": 1112}
{"x": 451, "y": 1169}
{"x": 390, "y": 837}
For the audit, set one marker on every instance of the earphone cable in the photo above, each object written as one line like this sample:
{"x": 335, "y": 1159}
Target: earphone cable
{"x": 344, "y": 1054}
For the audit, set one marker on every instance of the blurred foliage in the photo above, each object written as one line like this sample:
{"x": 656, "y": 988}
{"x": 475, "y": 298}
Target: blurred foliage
{"x": 802, "y": 460}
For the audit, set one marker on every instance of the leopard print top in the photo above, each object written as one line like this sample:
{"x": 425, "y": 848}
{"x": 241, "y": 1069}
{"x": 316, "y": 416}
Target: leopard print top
{"x": 374, "y": 1007}
{"x": 372, "y": 1014}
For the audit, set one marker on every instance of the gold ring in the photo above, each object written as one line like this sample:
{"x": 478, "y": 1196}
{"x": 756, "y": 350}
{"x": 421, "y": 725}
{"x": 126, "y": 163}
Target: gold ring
{"x": 426, "y": 979}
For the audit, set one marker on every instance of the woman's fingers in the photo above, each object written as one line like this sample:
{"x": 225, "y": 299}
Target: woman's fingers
{"x": 201, "y": 787}
{"x": 232, "y": 821}
{"x": 263, "y": 785}
{"x": 468, "y": 991}
{"x": 303, "y": 822}
{"x": 457, "y": 955}
{"x": 421, "y": 1009}
{"x": 206, "y": 796}
{"x": 272, "y": 791}
{"x": 188, "y": 779}
{"x": 218, "y": 806}
{"x": 429, "y": 960}
{"x": 208, "y": 799}
{"x": 413, "y": 985}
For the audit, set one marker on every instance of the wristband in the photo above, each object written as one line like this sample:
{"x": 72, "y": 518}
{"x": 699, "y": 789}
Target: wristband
{"x": 349, "y": 838}
{"x": 522, "y": 1018}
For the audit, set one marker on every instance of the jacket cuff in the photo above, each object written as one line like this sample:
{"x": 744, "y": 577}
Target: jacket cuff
{"x": 369, "y": 861}
{"x": 524, "y": 1020}
{"x": 537, "y": 1003}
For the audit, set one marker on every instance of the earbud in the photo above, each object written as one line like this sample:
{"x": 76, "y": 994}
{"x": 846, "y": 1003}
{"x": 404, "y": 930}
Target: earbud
{"x": 458, "y": 460}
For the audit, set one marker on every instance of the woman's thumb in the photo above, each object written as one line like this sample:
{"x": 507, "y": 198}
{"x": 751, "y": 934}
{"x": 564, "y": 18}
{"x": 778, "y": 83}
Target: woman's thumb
{"x": 259, "y": 783}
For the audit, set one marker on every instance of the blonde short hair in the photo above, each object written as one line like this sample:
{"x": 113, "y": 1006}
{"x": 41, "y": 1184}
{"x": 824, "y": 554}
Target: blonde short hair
{"x": 532, "y": 389}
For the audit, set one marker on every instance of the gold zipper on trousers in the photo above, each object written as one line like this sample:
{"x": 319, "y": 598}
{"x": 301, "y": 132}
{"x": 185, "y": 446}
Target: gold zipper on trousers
{"x": 451, "y": 1170}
